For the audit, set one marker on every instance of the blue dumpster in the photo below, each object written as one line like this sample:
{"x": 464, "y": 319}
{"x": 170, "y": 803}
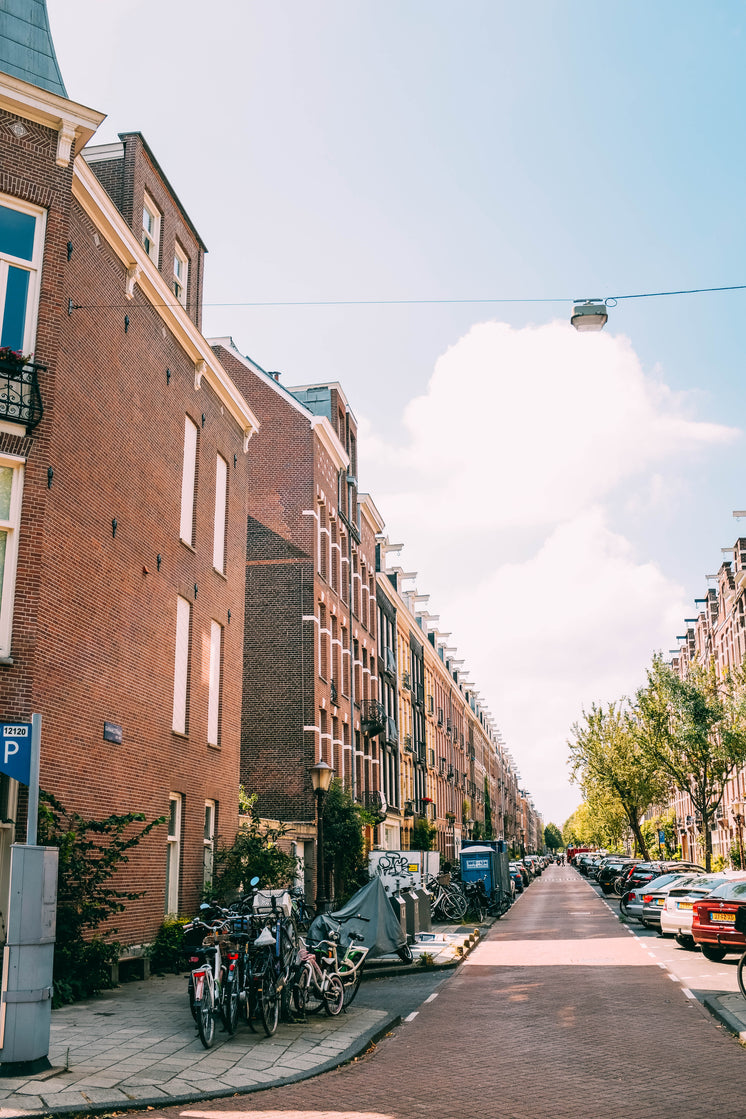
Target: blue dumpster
{"x": 481, "y": 862}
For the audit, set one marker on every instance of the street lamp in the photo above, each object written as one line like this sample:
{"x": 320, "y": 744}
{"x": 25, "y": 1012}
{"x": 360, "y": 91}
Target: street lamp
{"x": 590, "y": 314}
{"x": 321, "y": 779}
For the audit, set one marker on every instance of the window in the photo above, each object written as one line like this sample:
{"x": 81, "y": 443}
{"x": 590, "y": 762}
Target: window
{"x": 21, "y": 249}
{"x": 213, "y": 701}
{"x": 188, "y": 482}
{"x": 208, "y": 858}
{"x": 181, "y": 666}
{"x": 173, "y": 853}
{"x": 11, "y": 488}
{"x": 181, "y": 274}
{"x": 221, "y": 494}
{"x": 151, "y": 227}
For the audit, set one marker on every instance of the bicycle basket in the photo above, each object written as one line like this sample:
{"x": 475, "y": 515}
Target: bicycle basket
{"x": 240, "y": 924}
{"x": 263, "y": 902}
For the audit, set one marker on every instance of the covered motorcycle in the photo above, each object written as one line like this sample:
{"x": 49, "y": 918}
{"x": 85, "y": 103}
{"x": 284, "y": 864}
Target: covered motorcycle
{"x": 369, "y": 914}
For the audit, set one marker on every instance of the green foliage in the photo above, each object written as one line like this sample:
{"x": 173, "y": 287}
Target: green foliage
{"x": 344, "y": 848}
{"x": 488, "y": 825}
{"x": 613, "y": 769}
{"x": 426, "y": 960}
{"x": 254, "y": 852}
{"x": 476, "y": 831}
{"x": 167, "y": 950}
{"x": 423, "y": 835}
{"x": 552, "y": 837}
{"x": 694, "y": 730}
{"x": 90, "y": 854}
{"x": 667, "y": 824}
{"x": 734, "y": 856}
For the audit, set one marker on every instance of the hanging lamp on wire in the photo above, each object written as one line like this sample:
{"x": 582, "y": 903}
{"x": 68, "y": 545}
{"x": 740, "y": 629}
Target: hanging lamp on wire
{"x": 590, "y": 314}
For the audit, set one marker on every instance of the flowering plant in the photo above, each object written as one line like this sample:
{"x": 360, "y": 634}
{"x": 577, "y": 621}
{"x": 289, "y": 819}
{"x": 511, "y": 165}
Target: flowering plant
{"x": 427, "y": 800}
{"x": 17, "y": 357}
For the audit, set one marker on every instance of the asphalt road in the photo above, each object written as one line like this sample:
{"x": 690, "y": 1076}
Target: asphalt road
{"x": 559, "y": 1014}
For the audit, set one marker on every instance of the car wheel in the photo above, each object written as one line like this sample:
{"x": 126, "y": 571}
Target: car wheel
{"x": 711, "y": 952}
{"x": 684, "y": 941}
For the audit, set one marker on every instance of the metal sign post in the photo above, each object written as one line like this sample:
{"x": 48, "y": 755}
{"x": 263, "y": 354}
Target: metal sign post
{"x": 25, "y": 1011}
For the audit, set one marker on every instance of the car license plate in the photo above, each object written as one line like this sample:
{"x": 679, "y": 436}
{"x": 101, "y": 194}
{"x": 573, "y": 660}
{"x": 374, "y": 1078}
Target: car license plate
{"x": 658, "y": 902}
{"x": 684, "y": 904}
{"x": 723, "y": 918}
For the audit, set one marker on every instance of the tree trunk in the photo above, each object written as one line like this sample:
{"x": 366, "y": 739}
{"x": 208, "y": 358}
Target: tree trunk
{"x": 639, "y": 840}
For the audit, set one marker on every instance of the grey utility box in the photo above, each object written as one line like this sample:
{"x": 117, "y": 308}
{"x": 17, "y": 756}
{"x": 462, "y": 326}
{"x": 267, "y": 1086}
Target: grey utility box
{"x": 423, "y": 906}
{"x": 399, "y": 907}
{"x": 28, "y": 959}
{"x": 412, "y": 910}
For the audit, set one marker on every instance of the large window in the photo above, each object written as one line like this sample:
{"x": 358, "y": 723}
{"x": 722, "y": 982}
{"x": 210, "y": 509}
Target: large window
{"x": 213, "y": 701}
{"x": 173, "y": 853}
{"x": 181, "y": 666}
{"x": 221, "y": 497}
{"x": 21, "y": 250}
{"x": 188, "y": 482}
{"x": 11, "y": 488}
{"x": 151, "y": 228}
{"x": 208, "y": 858}
{"x": 181, "y": 273}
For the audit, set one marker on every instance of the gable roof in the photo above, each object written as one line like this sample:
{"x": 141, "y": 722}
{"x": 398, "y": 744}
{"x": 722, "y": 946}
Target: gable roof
{"x": 26, "y": 47}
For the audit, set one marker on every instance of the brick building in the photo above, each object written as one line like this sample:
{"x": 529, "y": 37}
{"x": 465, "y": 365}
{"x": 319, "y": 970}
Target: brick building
{"x": 310, "y": 646}
{"x": 123, "y": 495}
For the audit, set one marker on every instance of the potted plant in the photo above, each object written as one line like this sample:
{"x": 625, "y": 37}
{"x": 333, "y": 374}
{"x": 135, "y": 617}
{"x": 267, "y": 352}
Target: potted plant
{"x": 9, "y": 356}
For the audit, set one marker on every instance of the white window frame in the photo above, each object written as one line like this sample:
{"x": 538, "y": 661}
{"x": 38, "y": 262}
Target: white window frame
{"x": 181, "y": 275}
{"x": 188, "y": 481}
{"x": 173, "y": 853}
{"x": 181, "y": 665}
{"x": 213, "y": 700}
{"x": 11, "y": 526}
{"x": 33, "y": 267}
{"x": 153, "y": 236}
{"x": 221, "y": 513}
{"x": 208, "y": 857}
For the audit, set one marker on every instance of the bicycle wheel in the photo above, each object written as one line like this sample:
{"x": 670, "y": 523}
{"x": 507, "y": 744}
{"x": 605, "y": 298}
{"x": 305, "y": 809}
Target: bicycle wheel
{"x": 334, "y": 996}
{"x": 313, "y": 998}
{"x": 351, "y": 981}
{"x": 741, "y": 976}
{"x": 205, "y": 1019}
{"x": 229, "y": 1004}
{"x": 269, "y": 1000}
{"x": 453, "y": 907}
{"x": 623, "y": 904}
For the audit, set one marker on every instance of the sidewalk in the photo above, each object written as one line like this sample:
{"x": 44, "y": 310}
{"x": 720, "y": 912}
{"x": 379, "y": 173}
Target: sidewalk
{"x": 136, "y": 1046}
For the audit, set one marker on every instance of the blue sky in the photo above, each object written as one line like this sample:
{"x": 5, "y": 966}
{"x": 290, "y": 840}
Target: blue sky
{"x": 561, "y": 496}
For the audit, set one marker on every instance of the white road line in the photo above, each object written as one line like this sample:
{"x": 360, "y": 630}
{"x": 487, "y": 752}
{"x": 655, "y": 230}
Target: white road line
{"x": 674, "y": 977}
{"x": 687, "y": 992}
{"x": 431, "y": 997}
{"x": 412, "y": 1016}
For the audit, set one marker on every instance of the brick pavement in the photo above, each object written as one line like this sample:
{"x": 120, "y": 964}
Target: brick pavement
{"x": 559, "y": 1014}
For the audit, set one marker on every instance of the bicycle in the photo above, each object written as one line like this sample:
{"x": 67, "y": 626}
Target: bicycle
{"x": 317, "y": 980}
{"x": 445, "y": 902}
{"x": 351, "y": 966}
{"x": 212, "y": 982}
{"x": 302, "y": 913}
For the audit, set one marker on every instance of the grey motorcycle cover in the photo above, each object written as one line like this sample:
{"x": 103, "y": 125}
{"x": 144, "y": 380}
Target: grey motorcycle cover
{"x": 369, "y": 913}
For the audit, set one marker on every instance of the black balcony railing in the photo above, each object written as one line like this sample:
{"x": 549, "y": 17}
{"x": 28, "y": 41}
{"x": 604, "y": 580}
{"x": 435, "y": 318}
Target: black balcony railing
{"x": 373, "y": 718}
{"x": 375, "y": 803}
{"x": 20, "y": 398}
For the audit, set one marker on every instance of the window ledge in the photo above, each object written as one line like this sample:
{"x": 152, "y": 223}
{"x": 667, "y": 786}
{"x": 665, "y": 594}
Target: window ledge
{"x": 214, "y": 746}
{"x": 222, "y": 574}
{"x": 180, "y": 734}
{"x": 7, "y": 661}
{"x": 188, "y": 546}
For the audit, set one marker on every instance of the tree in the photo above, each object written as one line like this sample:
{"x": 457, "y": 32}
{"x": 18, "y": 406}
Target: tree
{"x": 608, "y": 760}
{"x": 90, "y": 854}
{"x": 694, "y": 730}
{"x": 344, "y": 846}
{"x": 255, "y": 852}
{"x": 423, "y": 835}
{"x": 552, "y": 837}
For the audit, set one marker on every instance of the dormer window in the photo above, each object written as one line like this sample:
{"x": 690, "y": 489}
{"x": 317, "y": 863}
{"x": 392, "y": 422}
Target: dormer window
{"x": 151, "y": 228}
{"x": 181, "y": 274}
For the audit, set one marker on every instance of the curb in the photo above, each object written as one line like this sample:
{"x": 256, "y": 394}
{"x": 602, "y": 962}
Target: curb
{"x": 731, "y": 1022}
{"x": 359, "y": 1046}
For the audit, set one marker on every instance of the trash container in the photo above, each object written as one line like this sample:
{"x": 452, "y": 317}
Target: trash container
{"x": 480, "y": 862}
{"x": 412, "y": 909}
{"x": 423, "y": 906}
{"x": 399, "y": 907}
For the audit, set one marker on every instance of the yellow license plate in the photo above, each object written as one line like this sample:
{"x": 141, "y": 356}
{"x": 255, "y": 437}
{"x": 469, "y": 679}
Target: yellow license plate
{"x": 723, "y": 918}
{"x": 684, "y": 904}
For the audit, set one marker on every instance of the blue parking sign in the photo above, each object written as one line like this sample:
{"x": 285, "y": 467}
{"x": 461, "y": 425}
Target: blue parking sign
{"x": 15, "y": 751}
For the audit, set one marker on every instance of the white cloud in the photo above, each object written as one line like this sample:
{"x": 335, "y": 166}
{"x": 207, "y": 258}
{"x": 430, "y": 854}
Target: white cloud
{"x": 505, "y": 491}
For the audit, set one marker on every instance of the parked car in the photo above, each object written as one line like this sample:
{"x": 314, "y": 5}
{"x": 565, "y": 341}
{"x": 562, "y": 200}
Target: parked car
{"x": 654, "y": 899}
{"x": 517, "y": 871}
{"x": 643, "y": 873}
{"x": 631, "y": 904}
{"x": 678, "y": 911}
{"x": 609, "y": 870}
{"x": 714, "y": 921}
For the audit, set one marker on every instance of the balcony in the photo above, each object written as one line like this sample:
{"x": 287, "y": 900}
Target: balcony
{"x": 373, "y": 718}
{"x": 20, "y": 398}
{"x": 375, "y": 803}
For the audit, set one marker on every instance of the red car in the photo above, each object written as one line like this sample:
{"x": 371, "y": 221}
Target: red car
{"x": 714, "y": 921}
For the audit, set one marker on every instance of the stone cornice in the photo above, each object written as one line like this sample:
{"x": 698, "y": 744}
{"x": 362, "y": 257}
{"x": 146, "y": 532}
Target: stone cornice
{"x": 72, "y": 123}
{"x": 330, "y": 442}
{"x": 111, "y": 225}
